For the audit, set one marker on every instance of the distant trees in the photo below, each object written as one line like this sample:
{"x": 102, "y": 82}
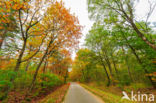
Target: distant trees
{"x": 84, "y": 66}
{"x": 119, "y": 52}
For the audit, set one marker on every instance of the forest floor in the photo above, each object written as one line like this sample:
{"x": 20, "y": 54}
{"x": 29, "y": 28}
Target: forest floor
{"x": 55, "y": 95}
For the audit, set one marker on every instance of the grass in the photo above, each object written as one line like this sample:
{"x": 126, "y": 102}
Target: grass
{"x": 106, "y": 96}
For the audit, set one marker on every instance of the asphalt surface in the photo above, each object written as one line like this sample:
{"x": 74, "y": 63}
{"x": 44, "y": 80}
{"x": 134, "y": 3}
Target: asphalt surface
{"x": 77, "y": 94}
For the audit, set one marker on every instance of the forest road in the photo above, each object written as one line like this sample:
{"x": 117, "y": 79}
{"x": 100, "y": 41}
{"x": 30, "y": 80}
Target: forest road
{"x": 77, "y": 94}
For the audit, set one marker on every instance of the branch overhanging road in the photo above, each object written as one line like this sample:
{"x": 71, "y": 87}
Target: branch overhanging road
{"x": 77, "y": 94}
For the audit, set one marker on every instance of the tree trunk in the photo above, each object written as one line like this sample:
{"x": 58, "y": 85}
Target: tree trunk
{"x": 36, "y": 72}
{"x": 39, "y": 65}
{"x": 114, "y": 64}
{"x": 107, "y": 75}
{"x": 141, "y": 35}
{"x": 96, "y": 75}
{"x": 126, "y": 60}
{"x": 108, "y": 62}
{"x": 129, "y": 72}
{"x": 140, "y": 62}
{"x": 27, "y": 66}
{"x": 83, "y": 74}
{"x": 143, "y": 66}
{"x": 1, "y": 42}
{"x": 2, "y": 38}
{"x": 65, "y": 77}
{"x": 116, "y": 70}
{"x": 44, "y": 68}
{"x": 20, "y": 57}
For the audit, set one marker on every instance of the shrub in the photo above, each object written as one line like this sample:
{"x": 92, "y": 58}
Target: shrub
{"x": 22, "y": 80}
{"x": 124, "y": 80}
{"x": 137, "y": 86}
{"x": 5, "y": 82}
{"x": 49, "y": 80}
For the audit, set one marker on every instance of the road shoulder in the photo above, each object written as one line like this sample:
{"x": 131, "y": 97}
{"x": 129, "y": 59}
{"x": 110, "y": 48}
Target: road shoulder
{"x": 105, "y": 96}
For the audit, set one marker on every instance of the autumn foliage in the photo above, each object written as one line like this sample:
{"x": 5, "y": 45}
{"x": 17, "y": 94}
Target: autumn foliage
{"x": 36, "y": 41}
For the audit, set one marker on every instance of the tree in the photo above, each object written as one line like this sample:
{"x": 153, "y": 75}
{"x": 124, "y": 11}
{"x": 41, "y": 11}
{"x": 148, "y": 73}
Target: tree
{"x": 7, "y": 20}
{"x": 36, "y": 41}
{"x": 32, "y": 14}
{"x": 64, "y": 32}
{"x": 122, "y": 12}
{"x": 100, "y": 41}
{"x": 84, "y": 67}
{"x": 126, "y": 36}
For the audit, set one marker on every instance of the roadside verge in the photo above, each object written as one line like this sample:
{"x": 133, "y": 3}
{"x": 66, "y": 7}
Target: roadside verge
{"x": 106, "y": 96}
{"x": 57, "y": 96}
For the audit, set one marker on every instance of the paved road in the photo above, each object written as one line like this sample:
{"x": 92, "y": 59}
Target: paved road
{"x": 78, "y": 94}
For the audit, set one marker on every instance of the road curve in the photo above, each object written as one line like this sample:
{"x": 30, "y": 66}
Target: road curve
{"x": 78, "y": 94}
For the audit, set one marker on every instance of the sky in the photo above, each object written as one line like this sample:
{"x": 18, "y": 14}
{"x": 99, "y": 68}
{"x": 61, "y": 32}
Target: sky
{"x": 143, "y": 8}
{"x": 79, "y": 8}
